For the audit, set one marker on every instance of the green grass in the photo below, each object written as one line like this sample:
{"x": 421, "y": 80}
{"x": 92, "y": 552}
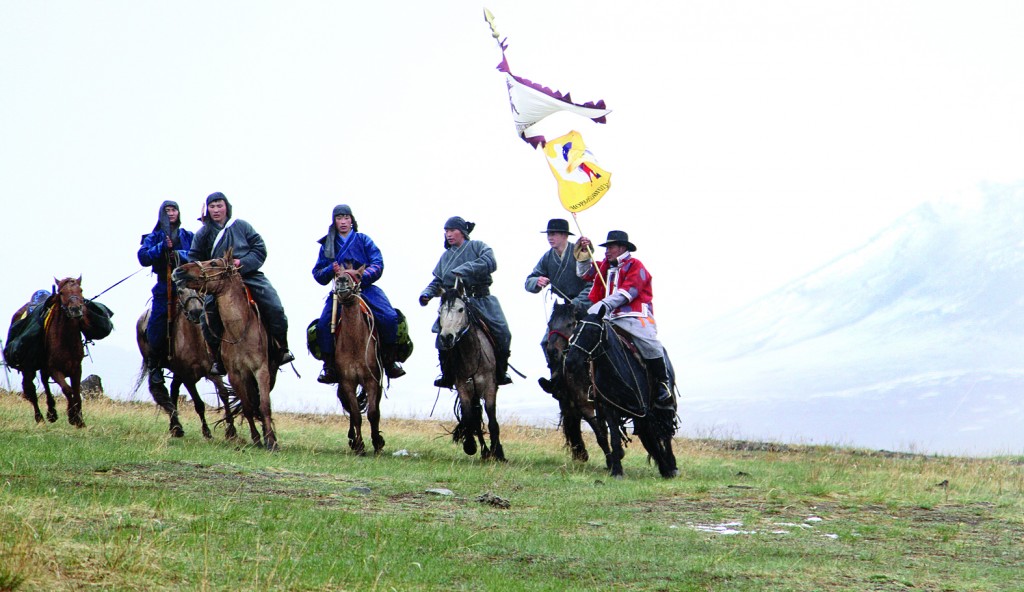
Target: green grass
{"x": 120, "y": 506}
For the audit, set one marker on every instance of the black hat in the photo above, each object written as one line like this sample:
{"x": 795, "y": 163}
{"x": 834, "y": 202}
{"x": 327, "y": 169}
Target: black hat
{"x": 558, "y": 225}
{"x": 620, "y": 237}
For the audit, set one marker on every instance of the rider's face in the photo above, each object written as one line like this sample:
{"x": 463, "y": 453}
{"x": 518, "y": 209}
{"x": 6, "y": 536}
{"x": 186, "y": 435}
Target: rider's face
{"x": 614, "y": 251}
{"x": 558, "y": 240}
{"x": 172, "y": 214}
{"x": 454, "y": 237}
{"x": 343, "y": 223}
{"x": 218, "y": 210}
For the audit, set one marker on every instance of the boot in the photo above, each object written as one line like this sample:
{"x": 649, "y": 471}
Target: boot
{"x": 285, "y": 355}
{"x": 156, "y": 372}
{"x": 218, "y": 365}
{"x": 658, "y": 373}
{"x": 446, "y": 380}
{"x": 328, "y": 375}
{"x": 390, "y": 360}
{"x": 501, "y": 372}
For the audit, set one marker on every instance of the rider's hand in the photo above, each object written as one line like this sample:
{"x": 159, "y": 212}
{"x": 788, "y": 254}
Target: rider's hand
{"x": 238, "y": 262}
{"x": 424, "y": 299}
{"x": 598, "y": 308}
{"x": 168, "y": 243}
{"x": 585, "y": 243}
{"x": 336, "y": 268}
{"x": 542, "y": 282}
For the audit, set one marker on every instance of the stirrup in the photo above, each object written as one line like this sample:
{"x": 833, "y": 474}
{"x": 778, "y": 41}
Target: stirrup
{"x": 664, "y": 399}
{"x": 503, "y": 380}
{"x": 442, "y": 383}
{"x": 327, "y": 376}
{"x": 286, "y": 357}
{"x": 217, "y": 369}
{"x": 395, "y": 371}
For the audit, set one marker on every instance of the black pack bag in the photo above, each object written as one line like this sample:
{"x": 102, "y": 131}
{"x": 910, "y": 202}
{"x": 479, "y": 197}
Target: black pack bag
{"x": 97, "y": 321}
{"x": 26, "y": 341}
{"x": 404, "y": 341}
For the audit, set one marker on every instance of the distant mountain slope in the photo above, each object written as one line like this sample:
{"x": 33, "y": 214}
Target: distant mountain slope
{"x": 930, "y": 308}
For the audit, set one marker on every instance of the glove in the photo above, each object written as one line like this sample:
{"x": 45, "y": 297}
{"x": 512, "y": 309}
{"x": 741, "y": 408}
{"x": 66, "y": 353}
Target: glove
{"x": 424, "y": 299}
{"x": 598, "y": 309}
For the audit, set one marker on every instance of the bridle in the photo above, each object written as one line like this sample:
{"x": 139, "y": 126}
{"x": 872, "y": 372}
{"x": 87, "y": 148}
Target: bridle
{"x": 73, "y": 306}
{"x": 593, "y": 352}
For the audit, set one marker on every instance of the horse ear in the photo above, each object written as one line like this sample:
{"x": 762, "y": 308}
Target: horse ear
{"x": 228, "y": 254}
{"x": 79, "y": 279}
{"x": 56, "y": 282}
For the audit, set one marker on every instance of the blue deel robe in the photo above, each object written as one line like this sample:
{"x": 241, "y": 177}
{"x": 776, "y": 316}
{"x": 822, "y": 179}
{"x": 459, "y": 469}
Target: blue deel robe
{"x": 153, "y": 253}
{"x": 357, "y": 249}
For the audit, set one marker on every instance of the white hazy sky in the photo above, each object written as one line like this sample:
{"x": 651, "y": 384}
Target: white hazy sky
{"x": 749, "y": 141}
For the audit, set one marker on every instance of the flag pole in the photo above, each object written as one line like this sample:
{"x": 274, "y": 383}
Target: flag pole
{"x": 590, "y": 252}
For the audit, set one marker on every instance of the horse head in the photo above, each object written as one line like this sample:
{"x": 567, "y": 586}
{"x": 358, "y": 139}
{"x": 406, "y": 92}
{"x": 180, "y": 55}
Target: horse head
{"x": 190, "y": 303}
{"x": 588, "y": 337}
{"x": 454, "y": 318}
{"x": 69, "y": 291}
{"x": 348, "y": 285}
{"x": 560, "y": 328}
{"x": 205, "y": 276}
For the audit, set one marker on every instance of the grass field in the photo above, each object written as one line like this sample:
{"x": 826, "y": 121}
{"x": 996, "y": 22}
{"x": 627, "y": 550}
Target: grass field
{"x": 120, "y": 506}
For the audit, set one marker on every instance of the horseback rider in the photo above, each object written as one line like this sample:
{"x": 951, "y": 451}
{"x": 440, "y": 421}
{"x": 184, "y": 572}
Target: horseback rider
{"x": 345, "y": 244}
{"x": 556, "y": 269}
{"x": 471, "y": 262}
{"x": 625, "y": 299}
{"x": 163, "y": 249}
{"x": 219, "y": 233}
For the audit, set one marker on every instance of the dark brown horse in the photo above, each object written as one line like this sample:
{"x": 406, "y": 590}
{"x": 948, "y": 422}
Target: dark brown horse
{"x": 244, "y": 342}
{"x": 357, "y": 361}
{"x": 63, "y": 351}
{"x": 189, "y": 361}
{"x": 470, "y": 359}
{"x": 622, "y": 393}
{"x": 572, "y": 388}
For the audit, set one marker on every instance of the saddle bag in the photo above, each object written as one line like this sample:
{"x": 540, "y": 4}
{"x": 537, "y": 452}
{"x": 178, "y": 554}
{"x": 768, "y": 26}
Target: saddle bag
{"x": 97, "y": 321}
{"x": 26, "y": 341}
{"x": 403, "y": 345}
{"x": 311, "y": 342}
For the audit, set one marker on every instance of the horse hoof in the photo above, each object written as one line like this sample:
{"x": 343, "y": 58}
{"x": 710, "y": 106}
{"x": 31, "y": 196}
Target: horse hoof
{"x": 39, "y": 418}
{"x": 207, "y": 433}
{"x": 177, "y": 432}
{"x": 671, "y": 474}
{"x": 272, "y": 445}
{"x": 51, "y": 417}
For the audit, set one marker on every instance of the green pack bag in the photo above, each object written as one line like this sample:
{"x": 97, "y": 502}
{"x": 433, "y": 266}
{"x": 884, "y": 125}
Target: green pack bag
{"x": 311, "y": 343}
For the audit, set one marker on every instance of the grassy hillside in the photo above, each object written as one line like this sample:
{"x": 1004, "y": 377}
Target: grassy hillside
{"x": 120, "y": 506}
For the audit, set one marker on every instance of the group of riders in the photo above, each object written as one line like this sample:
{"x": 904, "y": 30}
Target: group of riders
{"x": 618, "y": 288}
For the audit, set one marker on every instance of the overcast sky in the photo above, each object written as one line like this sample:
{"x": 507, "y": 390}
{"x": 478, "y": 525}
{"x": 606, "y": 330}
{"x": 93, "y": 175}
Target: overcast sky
{"x": 749, "y": 141}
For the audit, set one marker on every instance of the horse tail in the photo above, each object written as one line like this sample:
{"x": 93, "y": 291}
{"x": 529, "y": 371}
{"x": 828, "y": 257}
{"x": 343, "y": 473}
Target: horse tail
{"x": 141, "y": 376}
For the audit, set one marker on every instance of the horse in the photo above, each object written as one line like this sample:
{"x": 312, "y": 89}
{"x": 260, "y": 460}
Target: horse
{"x": 189, "y": 361}
{"x": 62, "y": 352}
{"x": 571, "y": 388}
{"x": 469, "y": 357}
{"x": 622, "y": 392}
{"x": 357, "y": 361}
{"x": 244, "y": 343}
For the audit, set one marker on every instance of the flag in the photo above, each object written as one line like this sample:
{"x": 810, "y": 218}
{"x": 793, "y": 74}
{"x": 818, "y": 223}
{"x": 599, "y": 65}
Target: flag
{"x": 532, "y": 102}
{"x": 581, "y": 182}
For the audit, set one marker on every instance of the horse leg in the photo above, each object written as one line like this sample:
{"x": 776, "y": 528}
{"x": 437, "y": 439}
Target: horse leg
{"x": 200, "y": 406}
{"x": 263, "y": 382}
{"x": 469, "y": 422}
{"x": 51, "y": 404}
{"x": 28, "y": 389}
{"x": 74, "y": 402}
{"x": 347, "y": 395}
{"x": 614, "y": 458}
{"x": 659, "y": 448}
{"x": 163, "y": 400}
{"x": 373, "y": 416}
{"x": 571, "y": 419}
{"x": 177, "y": 430}
{"x": 246, "y": 390}
{"x": 491, "y": 403}
{"x": 600, "y": 429}
{"x": 230, "y": 433}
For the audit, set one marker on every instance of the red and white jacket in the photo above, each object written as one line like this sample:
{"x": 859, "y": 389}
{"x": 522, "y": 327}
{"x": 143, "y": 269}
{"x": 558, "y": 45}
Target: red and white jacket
{"x": 629, "y": 278}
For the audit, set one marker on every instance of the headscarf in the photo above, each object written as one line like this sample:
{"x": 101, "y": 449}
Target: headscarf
{"x": 205, "y": 218}
{"x": 332, "y": 232}
{"x": 458, "y": 223}
{"x": 163, "y": 222}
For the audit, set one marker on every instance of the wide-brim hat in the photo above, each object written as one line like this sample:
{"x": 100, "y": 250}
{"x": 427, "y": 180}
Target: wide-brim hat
{"x": 558, "y": 225}
{"x": 620, "y": 237}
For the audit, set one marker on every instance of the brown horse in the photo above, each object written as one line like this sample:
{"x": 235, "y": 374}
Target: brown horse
{"x": 63, "y": 351}
{"x": 469, "y": 356}
{"x": 572, "y": 389}
{"x": 357, "y": 361}
{"x": 189, "y": 361}
{"x": 244, "y": 342}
